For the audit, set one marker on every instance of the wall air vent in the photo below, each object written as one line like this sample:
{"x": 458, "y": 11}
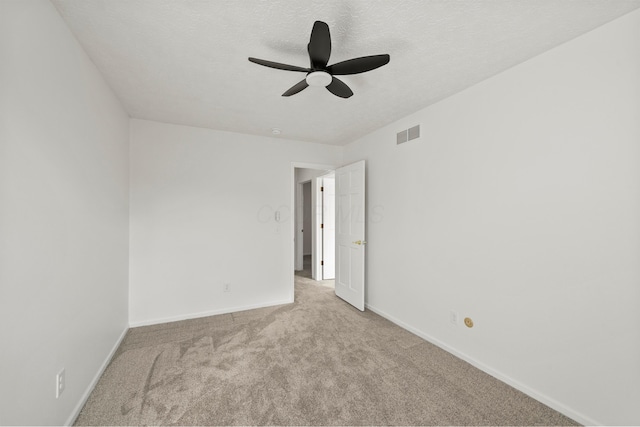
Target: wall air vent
{"x": 414, "y": 132}
{"x": 408, "y": 135}
{"x": 402, "y": 137}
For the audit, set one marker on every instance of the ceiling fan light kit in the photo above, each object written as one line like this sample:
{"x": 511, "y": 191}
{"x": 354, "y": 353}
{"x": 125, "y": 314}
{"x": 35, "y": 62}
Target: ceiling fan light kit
{"x": 321, "y": 74}
{"x": 318, "y": 78}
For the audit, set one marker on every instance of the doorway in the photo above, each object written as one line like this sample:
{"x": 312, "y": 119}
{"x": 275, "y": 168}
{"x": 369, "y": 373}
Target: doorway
{"x": 350, "y": 221}
{"x": 307, "y": 243}
{"x": 314, "y": 222}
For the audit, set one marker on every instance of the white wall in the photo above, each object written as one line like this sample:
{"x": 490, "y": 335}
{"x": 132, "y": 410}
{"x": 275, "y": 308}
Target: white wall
{"x": 202, "y": 214}
{"x": 63, "y": 217}
{"x": 520, "y": 207}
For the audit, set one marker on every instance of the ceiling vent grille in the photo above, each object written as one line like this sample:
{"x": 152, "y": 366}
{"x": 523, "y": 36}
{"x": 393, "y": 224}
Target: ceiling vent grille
{"x": 408, "y": 135}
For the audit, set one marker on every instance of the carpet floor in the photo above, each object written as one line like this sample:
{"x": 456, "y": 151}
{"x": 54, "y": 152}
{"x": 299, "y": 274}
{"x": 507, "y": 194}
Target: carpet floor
{"x": 315, "y": 362}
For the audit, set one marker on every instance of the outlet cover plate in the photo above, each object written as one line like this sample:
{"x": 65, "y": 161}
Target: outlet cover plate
{"x": 60, "y": 382}
{"x": 453, "y": 317}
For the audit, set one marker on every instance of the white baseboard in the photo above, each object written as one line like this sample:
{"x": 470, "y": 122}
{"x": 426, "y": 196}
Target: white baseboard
{"x": 92, "y": 385}
{"x": 552, "y": 403}
{"x": 205, "y": 313}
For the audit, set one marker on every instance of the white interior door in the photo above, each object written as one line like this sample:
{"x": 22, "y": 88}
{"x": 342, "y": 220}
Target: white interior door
{"x": 350, "y": 238}
{"x": 316, "y": 214}
{"x": 299, "y": 236}
{"x": 328, "y": 227}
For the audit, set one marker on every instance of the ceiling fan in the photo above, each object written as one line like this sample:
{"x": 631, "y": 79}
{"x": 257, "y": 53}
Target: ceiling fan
{"x": 321, "y": 74}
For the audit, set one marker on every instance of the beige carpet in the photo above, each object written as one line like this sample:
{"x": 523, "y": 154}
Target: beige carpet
{"x": 315, "y": 362}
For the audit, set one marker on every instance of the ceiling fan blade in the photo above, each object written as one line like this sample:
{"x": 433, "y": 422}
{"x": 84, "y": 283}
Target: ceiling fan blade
{"x": 278, "y": 65}
{"x": 319, "y": 46}
{"x": 339, "y": 88}
{"x": 358, "y": 65}
{"x": 298, "y": 87}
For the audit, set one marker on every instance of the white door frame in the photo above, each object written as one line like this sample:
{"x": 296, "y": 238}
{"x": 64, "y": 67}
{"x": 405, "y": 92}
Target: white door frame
{"x": 318, "y": 232}
{"x": 328, "y": 230}
{"x": 292, "y": 228}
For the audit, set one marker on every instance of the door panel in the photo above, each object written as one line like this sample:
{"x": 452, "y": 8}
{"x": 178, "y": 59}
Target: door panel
{"x": 350, "y": 234}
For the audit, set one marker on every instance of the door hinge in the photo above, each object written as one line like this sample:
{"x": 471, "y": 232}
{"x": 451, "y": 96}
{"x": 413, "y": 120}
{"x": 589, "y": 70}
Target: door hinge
{"x": 321, "y": 188}
{"x": 321, "y": 262}
{"x": 321, "y": 225}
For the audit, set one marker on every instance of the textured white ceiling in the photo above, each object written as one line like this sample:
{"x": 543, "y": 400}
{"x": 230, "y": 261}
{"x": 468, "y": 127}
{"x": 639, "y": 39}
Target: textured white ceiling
{"x": 185, "y": 61}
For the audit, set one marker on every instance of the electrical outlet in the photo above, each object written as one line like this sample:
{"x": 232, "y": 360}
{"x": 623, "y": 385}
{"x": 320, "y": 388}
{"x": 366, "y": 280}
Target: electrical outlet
{"x": 453, "y": 317}
{"x": 60, "y": 383}
{"x": 226, "y": 287}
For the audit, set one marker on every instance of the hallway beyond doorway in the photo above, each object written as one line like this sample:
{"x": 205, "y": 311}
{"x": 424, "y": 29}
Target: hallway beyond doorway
{"x": 306, "y": 273}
